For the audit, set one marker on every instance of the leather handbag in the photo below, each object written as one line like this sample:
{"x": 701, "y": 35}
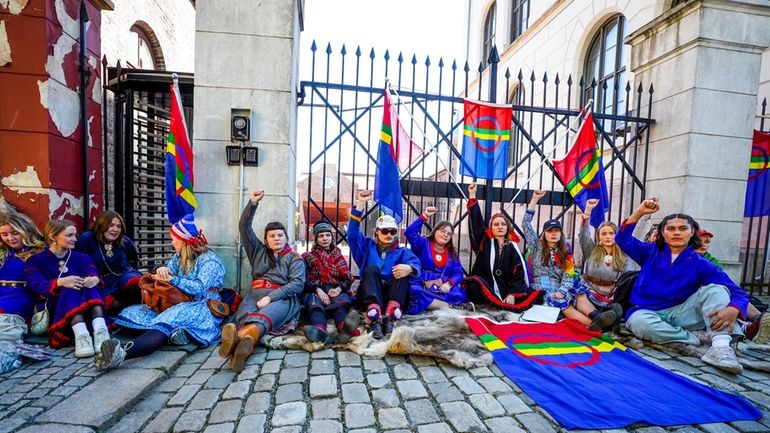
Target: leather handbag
{"x": 160, "y": 295}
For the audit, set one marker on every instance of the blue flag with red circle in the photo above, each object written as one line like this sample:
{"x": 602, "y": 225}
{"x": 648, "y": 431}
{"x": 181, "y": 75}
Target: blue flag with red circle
{"x": 585, "y": 380}
{"x": 486, "y": 135}
{"x": 758, "y": 183}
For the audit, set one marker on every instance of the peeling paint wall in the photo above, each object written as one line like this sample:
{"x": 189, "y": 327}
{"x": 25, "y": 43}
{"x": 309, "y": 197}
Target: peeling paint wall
{"x": 41, "y": 171}
{"x": 15, "y": 7}
{"x": 5, "y": 47}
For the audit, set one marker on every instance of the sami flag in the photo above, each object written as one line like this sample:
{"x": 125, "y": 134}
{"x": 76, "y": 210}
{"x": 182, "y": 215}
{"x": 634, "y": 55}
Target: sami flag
{"x": 396, "y": 150}
{"x": 180, "y": 199}
{"x": 588, "y": 381}
{"x": 486, "y": 134}
{"x": 582, "y": 172}
{"x": 758, "y": 183}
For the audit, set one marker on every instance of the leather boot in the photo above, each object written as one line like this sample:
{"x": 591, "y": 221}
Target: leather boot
{"x": 249, "y": 336}
{"x": 229, "y": 340}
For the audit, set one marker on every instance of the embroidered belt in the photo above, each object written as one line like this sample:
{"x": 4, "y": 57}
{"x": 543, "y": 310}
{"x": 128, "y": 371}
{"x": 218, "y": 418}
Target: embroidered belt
{"x": 5, "y": 283}
{"x": 264, "y": 284}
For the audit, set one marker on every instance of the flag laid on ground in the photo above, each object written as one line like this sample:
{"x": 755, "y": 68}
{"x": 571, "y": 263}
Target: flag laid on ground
{"x": 180, "y": 199}
{"x": 582, "y": 172}
{"x": 396, "y": 151}
{"x": 588, "y": 381}
{"x": 758, "y": 183}
{"x": 486, "y": 135}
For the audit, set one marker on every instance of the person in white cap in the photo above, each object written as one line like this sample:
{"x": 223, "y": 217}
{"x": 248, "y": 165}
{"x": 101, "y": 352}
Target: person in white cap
{"x": 385, "y": 268}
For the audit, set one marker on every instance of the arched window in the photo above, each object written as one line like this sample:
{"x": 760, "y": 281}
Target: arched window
{"x": 143, "y": 49}
{"x": 519, "y": 17}
{"x": 606, "y": 63}
{"x": 489, "y": 32}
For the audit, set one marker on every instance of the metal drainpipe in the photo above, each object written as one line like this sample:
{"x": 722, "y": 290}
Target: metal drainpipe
{"x": 84, "y": 75}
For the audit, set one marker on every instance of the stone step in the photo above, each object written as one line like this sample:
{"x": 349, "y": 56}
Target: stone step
{"x": 114, "y": 393}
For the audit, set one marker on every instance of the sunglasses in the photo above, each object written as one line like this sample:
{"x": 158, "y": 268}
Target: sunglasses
{"x": 391, "y": 232}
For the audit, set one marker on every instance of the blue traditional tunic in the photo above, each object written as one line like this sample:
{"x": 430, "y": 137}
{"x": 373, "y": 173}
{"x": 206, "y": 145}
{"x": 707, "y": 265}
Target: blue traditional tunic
{"x": 42, "y": 271}
{"x": 442, "y": 266}
{"x": 117, "y": 266}
{"x": 195, "y": 316}
{"x": 15, "y": 297}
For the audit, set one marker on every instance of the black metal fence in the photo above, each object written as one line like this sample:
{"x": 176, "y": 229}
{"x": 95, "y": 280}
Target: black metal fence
{"x": 136, "y": 154}
{"x": 756, "y": 237}
{"x": 338, "y": 135}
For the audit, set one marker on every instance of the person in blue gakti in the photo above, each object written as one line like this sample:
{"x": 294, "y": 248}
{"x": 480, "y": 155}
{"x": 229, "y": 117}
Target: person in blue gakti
{"x": 196, "y": 271}
{"x": 438, "y": 286}
{"x": 679, "y": 293}
{"x": 116, "y": 258}
{"x": 385, "y": 268}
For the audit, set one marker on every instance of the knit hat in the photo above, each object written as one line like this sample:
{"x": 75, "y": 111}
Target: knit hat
{"x": 186, "y": 231}
{"x": 321, "y": 227}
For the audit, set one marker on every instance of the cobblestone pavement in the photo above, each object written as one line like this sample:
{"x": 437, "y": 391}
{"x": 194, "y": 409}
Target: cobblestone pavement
{"x": 289, "y": 392}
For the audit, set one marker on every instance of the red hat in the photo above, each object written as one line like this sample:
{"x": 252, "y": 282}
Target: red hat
{"x": 704, "y": 232}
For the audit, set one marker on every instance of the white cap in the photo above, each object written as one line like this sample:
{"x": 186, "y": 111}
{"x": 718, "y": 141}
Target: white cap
{"x": 386, "y": 222}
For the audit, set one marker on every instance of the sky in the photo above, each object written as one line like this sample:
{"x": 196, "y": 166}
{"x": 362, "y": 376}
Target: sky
{"x": 434, "y": 28}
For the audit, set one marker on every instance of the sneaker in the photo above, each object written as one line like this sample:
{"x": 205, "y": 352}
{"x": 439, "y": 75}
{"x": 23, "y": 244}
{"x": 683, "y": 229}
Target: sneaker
{"x": 100, "y": 336}
{"x": 387, "y": 325}
{"x": 602, "y": 320}
{"x": 465, "y": 306}
{"x": 179, "y": 338}
{"x": 110, "y": 355}
{"x": 315, "y": 334}
{"x": 84, "y": 346}
{"x": 618, "y": 310}
{"x": 229, "y": 340}
{"x": 376, "y": 329}
{"x": 349, "y": 326}
{"x": 723, "y": 358}
{"x": 759, "y": 330}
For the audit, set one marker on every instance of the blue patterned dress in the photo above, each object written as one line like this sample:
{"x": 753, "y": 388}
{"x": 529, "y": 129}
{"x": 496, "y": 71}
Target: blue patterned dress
{"x": 194, "y": 316}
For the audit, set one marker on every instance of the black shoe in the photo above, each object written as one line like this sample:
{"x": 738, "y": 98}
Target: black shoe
{"x": 349, "y": 326}
{"x": 387, "y": 325}
{"x": 601, "y": 320}
{"x": 465, "y": 306}
{"x": 317, "y": 335}
{"x": 618, "y": 310}
{"x": 376, "y": 329}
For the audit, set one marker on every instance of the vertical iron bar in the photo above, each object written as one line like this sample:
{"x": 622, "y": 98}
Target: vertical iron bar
{"x": 313, "y": 48}
{"x": 493, "y": 60}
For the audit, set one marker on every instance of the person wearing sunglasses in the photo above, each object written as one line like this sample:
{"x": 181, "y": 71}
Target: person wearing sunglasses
{"x": 385, "y": 268}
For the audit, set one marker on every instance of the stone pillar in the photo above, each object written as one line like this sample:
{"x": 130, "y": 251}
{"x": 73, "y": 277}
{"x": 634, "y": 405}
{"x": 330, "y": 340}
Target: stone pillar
{"x": 41, "y": 169}
{"x": 245, "y": 58}
{"x": 703, "y": 58}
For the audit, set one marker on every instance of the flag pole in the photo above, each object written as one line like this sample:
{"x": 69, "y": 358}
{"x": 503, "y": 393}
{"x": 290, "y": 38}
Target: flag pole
{"x": 389, "y": 87}
{"x": 580, "y": 117}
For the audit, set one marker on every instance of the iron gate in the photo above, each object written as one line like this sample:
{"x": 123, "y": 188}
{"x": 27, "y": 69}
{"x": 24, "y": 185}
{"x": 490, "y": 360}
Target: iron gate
{"x": 142, "y": 101}
{"x": 756, "y": 237}
{"x": 339, "y": 129}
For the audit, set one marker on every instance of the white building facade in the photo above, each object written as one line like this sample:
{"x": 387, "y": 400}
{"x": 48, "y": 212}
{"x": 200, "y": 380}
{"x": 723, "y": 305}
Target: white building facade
{"x": 708, "y": 61}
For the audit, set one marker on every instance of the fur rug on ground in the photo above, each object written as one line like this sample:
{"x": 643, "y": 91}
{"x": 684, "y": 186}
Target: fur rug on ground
{"x": 441, "y": 334}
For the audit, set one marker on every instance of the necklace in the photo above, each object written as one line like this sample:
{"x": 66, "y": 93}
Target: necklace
{"x": 108, "y": 250}
{"x": 63, "y": 263}
{"x": 608, "y": 259}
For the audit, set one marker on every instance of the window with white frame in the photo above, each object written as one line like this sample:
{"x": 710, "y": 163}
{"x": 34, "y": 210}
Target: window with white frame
{"x": 519, "y": 17}
{"x": 489, "y": 33}
{"x": 606, "y": 64}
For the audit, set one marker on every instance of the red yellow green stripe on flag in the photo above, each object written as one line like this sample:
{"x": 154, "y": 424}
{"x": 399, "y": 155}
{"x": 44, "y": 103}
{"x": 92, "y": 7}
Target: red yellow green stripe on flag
{"x": 563, "y": 367}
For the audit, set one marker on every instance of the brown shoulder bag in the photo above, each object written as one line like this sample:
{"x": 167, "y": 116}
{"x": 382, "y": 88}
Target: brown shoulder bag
{"x": 160, "y": 295}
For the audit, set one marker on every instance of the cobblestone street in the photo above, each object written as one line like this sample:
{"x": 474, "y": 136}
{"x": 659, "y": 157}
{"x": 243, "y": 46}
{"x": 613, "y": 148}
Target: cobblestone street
{"x": 290, "y": 392}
